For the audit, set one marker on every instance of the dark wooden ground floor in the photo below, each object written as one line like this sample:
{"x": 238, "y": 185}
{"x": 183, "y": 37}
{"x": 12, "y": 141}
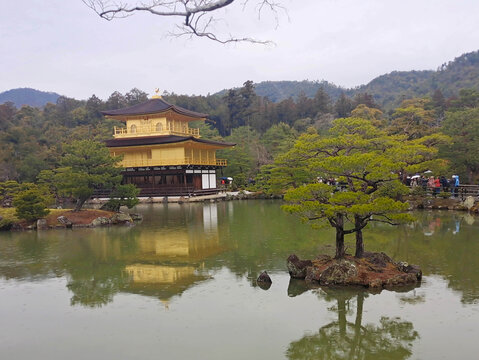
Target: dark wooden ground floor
{"x": 173, "y": 180}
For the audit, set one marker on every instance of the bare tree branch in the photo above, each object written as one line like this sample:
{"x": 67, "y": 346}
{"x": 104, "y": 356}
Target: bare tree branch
{"x": 194, "y": 14}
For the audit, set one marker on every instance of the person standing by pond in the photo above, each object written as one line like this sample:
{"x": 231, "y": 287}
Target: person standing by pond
{"x": 424, "y": 182}
{"x": 437, "y": 186}
{"x": 444, "y": 184}
{"x": 431, "y": 184}
{"x": 455, "y": 185}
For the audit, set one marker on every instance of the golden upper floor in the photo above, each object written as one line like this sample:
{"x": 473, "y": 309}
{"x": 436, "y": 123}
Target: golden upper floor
{"x": 155, "y": 126}
{"x": 154, "y": 117}
{"x": 157, "y": 133}
{"x": 168, "y": 155}
{"x": 166, "y": 150}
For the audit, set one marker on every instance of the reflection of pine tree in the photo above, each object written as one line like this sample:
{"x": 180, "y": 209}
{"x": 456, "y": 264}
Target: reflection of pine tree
{"x": 96, "y": 287}
{"x": 92, "y": 292}
{"x": 95, "y": 267}
{"x": 391, "y": 339}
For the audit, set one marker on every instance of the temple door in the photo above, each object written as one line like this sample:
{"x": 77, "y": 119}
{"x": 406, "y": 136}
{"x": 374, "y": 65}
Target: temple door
{"x": 197, "y": 182}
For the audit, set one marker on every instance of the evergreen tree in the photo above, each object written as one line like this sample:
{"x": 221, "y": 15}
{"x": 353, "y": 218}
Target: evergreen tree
{"x": 463, "y": 153}
{"x": 414, "y": 118}
{"x": 366, "y": 99}
{"x": 7, "y": 113}
{"x": 31, "y": 203}
{"x": 116, "y": 101}
{"x": 135, "y": 96}
{"x": 278, "y": 139}
{"x": 304, "y": 106}
{"x": 343, "y": 106}
{"x": 86, "y": 166}
{"x": 93, "y": 107}
{"x": 365, "y": 161}
{"x": 245, "y": 159}
{"x": 468, "y": 98}
{"x": 371, "y": 114}
{"x": 122, "y": 195}
{"x": 322, "y": 101}
{"x": 241, "y": 105}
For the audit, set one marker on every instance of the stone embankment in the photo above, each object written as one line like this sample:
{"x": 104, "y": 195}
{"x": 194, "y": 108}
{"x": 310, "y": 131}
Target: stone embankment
{"x": 68, "y": 219}
{"x": 415, "y": 202}
{"x": 375, "y": 271}
{"x": 223, "y": 196}
{"x": 430, "y": 203}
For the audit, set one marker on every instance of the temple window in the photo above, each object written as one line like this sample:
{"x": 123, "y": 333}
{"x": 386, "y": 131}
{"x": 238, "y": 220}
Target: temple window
{"x": 133, "y": 129}
{"x": 159, "y": 127}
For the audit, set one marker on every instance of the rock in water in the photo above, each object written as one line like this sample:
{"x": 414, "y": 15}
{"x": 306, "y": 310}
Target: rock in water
{"x": 264, "y": 278}
{"x": 64, "y": 221}
{"x": 410, "y": 269}
{"x": 42, "y": 224}
{"x": 121, "y": 218}
{"x": 100, "y": 221}
{"x": 378, "y": 259}
{"x": 264, "y": 281}
{"x": 469, "y": 202}
{"x": 136, "y": 217}
{"x": 264, "y": 285}
{"x": 297, "y": 268}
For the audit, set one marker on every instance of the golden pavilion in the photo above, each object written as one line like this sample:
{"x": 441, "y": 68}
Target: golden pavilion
{"x": 162, "y": 155}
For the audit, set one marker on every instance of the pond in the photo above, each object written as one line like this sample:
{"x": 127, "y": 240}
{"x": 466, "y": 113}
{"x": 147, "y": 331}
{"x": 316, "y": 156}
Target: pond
{"x": 181, "y": 285}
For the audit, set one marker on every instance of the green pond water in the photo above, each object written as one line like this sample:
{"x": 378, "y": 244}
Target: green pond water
{"x": 181, "y": 285}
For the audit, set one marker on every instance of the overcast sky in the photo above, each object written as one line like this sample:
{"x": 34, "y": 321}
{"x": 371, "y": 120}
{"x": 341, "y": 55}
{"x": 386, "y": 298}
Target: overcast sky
{"x": 63, "y": 46}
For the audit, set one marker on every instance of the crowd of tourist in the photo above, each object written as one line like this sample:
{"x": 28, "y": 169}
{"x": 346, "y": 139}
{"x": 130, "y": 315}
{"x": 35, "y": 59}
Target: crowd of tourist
{"x": 432, "y": 184}
{"x": 435, "y": 184}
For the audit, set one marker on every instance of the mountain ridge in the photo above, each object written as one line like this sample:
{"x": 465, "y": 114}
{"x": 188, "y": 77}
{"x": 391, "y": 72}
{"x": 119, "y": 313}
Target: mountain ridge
{"x": 28, "y": 96}
{"x": 388, "y": 90}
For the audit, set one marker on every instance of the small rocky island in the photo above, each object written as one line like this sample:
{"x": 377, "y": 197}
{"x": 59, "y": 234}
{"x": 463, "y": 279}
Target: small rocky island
{"x": 373, "y": 270}
{"x": 61, "y": 219}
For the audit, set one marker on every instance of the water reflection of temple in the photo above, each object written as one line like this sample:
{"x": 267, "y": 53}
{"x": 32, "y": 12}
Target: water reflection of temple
{"x": 171, "y": 259}
{"x": 158, "y": 274}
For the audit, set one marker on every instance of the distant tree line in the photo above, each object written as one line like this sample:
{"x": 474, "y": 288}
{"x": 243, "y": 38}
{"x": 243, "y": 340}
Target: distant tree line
{"x": 32, "y": 139}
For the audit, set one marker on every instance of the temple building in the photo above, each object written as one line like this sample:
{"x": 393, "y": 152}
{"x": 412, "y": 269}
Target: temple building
{"x": 162, "y": 155}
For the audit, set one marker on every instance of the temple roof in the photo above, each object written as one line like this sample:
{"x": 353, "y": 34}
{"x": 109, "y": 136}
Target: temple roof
{"x": 152, "y": 106}
{"x": 158, "y": 140}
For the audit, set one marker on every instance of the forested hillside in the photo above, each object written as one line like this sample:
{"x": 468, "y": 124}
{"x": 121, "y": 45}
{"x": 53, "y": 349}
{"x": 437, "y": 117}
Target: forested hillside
{"x": 281, "y": 90}
{"x": 27, "y": 96}
{"x": 388, "y": 90}
{"x": 426, "y": 102}
{"x": 461, "y": 73}
{"x": 33, "y": 139}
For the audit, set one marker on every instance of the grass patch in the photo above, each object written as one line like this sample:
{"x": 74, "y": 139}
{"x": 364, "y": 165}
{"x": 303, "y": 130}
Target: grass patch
{"x": 8, "y": 218}
{"x": 83, "y": 217}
